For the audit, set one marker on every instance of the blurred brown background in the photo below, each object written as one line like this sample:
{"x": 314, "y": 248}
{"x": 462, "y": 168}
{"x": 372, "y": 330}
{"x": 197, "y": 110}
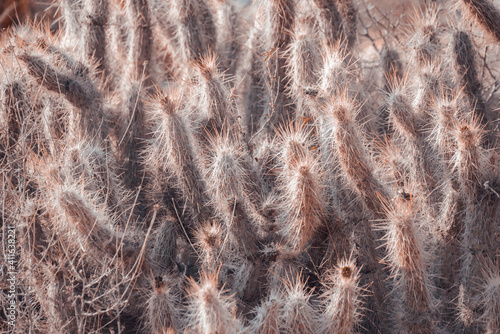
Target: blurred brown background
{"x": 15, "y": 11}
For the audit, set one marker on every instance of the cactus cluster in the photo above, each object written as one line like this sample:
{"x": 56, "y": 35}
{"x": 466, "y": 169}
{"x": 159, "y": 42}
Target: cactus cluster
{"x": 287, "y": 166}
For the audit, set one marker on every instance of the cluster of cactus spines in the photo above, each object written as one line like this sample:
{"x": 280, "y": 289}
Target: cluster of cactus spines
{"x": 194, "y": 166}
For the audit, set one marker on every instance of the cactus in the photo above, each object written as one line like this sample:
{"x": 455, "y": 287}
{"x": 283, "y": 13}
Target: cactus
{"x": 284, "y": 166}
{"x": 342, "y": 299}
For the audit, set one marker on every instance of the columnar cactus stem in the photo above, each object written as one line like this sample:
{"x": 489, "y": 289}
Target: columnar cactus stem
{"x": 172, "y": 149}
{"x": 357, "y": 166}
{"x": 342, "y": 299}
{"x": 162, "y": 306}
{"x": 491, "y": 299}
{"x": 80, "y": 91}
{"x": 278, "y": 18}
{"x": 303, "y": 189}
{"x": 94, "y": 18}
{"x": 303, "y": 64}
{"x": 209, "y": 310}
{"x": 469, "y": 166}
{"x": 227, "y": 176}
{"x": 465, "y": 66}
{"x": 195, "y": 30}
{"x": 484, "y": 13}
{"x": 298, "y": 315}
{"x": 330, "y": 20}
{"x": 408, "y": 262}
{"x": 140, "y": 40}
